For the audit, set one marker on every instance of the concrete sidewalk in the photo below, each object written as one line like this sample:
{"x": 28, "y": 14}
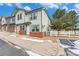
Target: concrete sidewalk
{"x": 43, "y": 48}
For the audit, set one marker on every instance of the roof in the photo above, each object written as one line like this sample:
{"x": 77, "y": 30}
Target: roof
{"x": 27, "y": 12}
{"x": 39, "y": 9}
{"x": 9, "y": 17}
{"x": 47, "y": 14}
{"x": 35, "y": 10}
{"x": 17, "y": 9}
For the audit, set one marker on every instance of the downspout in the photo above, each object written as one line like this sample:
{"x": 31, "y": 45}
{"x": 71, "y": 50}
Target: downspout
{"x": 25, "y": 24}
{"x": 15, "y": 24}
{"x": 41, "y": 23}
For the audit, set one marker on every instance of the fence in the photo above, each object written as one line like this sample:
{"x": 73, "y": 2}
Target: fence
{"x": 53, "y": 32}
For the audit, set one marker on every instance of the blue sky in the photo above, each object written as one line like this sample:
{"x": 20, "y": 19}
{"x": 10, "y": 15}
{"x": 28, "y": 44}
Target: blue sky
{"x": 6, "y": 9}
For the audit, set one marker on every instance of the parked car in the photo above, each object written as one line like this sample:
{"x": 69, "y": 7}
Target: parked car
{"x": 71, "y": 47}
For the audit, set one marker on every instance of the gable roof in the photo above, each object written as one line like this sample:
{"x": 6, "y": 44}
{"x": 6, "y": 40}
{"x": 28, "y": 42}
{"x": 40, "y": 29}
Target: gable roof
{"x": 28, "y": 11}
{"x": 47, "y": 14}
{"x": 17, "y": 9}
{"x": 39, "y": 9}
{"x": 35, "y": 10}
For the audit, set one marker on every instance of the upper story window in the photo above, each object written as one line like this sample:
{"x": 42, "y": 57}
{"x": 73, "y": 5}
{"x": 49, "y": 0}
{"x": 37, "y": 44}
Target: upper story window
{"x": 3, "y": 21}
{"x": 0, "y": 18}
{"x": 33, "y": 16}
{"x": 30, "y": 16}
{"x": 13, "y": 19}
{"x": 8, "y": 20}
{"x": 19, "y": 16}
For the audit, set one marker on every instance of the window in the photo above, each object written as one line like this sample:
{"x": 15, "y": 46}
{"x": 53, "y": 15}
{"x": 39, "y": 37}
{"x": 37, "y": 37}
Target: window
{"x": 13, "y": 19}
{"x": 30, "y": 16}
{"x": 35, "y": 28}
{"x": 3, "y": 21}
{"x": 22, "y": 27}
{"x": 19, "y": 16}
{"x": 33, "y": 16}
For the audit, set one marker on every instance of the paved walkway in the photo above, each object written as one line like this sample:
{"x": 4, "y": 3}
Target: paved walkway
{"x": 44, "y": 48}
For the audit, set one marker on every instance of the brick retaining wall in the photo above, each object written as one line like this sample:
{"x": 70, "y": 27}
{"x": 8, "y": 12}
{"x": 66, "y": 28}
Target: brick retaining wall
{"x": 22, "y": 32}
{"x": 38, "y": 34}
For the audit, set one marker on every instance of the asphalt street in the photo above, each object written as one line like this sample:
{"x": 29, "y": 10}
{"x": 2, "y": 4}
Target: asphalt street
{"x": 8, "y": 50}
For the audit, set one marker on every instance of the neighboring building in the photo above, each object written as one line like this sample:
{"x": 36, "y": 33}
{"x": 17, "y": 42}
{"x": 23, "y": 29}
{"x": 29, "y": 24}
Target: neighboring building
{"x": 4, "y": 24}
{"x": 0, "y": 23}
{"x": 33, "y": 23}
{"x": 8, "y": 24}
{"x": 20, "y": 15}
{"x": 10, "y": 21}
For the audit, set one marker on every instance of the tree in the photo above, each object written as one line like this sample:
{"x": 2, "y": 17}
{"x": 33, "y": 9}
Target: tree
{"x": 56, "y": 23}
{"x": 63, "y": 21}
{"x": 73, "y": 19}
{"x": 58, "y": 14}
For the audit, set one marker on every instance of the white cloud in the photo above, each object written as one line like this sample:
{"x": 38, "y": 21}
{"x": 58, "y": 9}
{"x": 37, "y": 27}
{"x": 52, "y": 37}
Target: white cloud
{"x": 59, "y": 4}
{"x": 27, "y": 8}
{"x": 72, "y": 10}
{"x": 19, "y": 5}
{"x": 76, "y": 6}
{"x": 50, "y": 5}
{"x": 65, "y": 7}
{"x": 9, "y": 4}
{"x": 1, "y": 4}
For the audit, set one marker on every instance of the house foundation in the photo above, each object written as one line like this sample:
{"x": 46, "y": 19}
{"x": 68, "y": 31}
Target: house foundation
{"x": 38, "y": 34}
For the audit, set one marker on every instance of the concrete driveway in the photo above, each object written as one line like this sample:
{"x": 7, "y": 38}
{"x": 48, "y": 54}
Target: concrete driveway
{"x": 8, "y": 50}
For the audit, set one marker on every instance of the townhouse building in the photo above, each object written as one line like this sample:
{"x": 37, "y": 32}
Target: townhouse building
{"x": 0, "y": 23}
{"x": 8, "y": 24}
{"x": 33, "y": 23}
{"x": 3, "y": 24}
{"x": 10, "y": 21}
{"x": 20, "y": 15}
